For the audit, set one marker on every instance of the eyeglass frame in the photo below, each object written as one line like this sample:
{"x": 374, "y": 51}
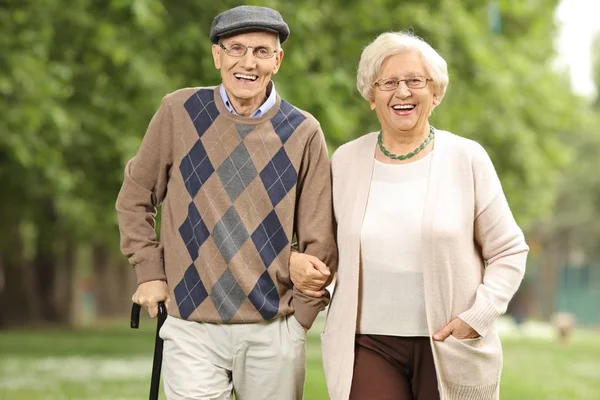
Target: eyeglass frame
{"x": 405, "y": 80}
{"x": 271, "y": 55}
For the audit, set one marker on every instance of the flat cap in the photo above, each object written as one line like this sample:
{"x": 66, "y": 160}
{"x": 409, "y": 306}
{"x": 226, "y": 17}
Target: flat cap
{"x": 248, "y": 19}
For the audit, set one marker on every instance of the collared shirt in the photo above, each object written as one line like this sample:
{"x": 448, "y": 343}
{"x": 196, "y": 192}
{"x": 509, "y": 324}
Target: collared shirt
{"x": 266, "y": 106}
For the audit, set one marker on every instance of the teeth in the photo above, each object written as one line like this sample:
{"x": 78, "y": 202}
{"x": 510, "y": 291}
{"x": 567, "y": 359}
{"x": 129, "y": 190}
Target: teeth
{"x": 404, "y": 107}
{"x": 249, "y": 77}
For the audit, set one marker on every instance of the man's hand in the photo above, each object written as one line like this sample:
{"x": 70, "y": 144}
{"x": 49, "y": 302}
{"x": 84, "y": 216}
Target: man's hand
{"x": 457, "y": 328}
{"x": 148, "y": 294}
{"x": 308, "y": 274}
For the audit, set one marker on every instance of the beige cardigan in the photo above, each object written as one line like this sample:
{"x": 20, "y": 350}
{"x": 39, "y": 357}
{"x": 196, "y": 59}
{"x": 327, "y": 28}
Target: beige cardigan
{"x": 473, "y": 261}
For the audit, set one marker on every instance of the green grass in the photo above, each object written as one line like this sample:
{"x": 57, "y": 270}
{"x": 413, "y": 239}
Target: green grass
{"x": 543, "y": 369}
{"x": 113, "y": 362}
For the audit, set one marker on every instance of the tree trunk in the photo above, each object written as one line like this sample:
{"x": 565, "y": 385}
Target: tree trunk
{"x": 127, "y": 285}
{"x": 45, "y": 262}
{"x": 114, "y": 282}
{"x": 554, "y": 257}
{"x": 102, "y": 280}
{"x": 65, "y": 284}
{"x": 18, "y": 297}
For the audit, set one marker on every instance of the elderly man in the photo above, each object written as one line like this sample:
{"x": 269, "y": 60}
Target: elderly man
{"x": 239, "y": 172}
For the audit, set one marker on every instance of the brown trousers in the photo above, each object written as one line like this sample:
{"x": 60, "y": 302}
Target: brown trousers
{"x": 393, "y": 368}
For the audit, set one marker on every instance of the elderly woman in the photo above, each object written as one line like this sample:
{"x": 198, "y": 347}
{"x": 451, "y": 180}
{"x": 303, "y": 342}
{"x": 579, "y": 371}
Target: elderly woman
{"x": 429, "y": 251}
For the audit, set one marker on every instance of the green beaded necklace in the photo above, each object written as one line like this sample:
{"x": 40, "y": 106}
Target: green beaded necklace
{"x": 416, "y": 151}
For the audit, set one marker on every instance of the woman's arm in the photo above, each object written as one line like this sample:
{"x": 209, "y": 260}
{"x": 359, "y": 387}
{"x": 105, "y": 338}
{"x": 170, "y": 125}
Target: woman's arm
{"x": 502, "y": 244}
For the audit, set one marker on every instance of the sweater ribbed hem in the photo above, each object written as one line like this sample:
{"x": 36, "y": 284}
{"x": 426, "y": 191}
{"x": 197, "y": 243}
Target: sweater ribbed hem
{"x": 306, "y": 307}
{"x": 485, "y": 392}
{"x": 150, "y": 271}
{"x": 480, "y": 317}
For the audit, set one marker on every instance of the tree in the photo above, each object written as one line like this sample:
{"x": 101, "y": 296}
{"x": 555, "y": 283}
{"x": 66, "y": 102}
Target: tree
{"x": 81, "y": 79}
{"x": 577, "y": 209}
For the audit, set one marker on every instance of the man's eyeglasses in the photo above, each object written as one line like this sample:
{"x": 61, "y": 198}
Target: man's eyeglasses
{"x": 389, "y": 84}
{"x": 239, "y": 50}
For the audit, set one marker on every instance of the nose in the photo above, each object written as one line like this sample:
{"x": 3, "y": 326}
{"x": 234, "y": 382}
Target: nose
{"x": 403, "y": 91}
{"x": 248, "y": 60}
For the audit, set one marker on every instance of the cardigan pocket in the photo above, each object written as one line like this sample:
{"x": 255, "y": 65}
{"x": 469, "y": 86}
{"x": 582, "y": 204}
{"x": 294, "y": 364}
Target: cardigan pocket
{"x": 472, "y": 362}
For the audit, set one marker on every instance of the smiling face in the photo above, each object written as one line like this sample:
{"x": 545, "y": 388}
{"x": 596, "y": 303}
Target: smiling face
{"x": 404, "y": 110}
{"x": 246, "y": 78}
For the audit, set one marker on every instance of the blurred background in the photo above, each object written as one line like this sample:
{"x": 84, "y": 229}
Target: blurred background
{"x": 80, "y": 80}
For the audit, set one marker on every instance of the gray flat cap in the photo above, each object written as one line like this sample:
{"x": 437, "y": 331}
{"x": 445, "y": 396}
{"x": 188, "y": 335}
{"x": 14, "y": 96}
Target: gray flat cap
{"x": 248, "y": 19}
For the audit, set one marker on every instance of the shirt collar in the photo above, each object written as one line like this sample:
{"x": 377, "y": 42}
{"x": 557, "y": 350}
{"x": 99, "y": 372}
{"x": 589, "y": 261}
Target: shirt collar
{"x": 266, "y": 106}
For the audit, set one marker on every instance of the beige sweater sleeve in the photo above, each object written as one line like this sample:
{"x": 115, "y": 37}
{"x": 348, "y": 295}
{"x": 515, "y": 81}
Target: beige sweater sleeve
{"x": 144, "y": 188}
{"x": 314, "y": 223}
{"x": 502, "y": 244}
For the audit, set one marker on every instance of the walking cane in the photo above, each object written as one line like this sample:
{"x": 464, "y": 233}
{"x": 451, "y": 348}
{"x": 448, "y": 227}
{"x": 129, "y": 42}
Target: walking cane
{"x": 158, "y": 344}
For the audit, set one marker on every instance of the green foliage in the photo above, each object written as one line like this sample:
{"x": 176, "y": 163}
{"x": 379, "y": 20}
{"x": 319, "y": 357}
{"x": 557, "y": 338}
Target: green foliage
{"x": 576, "y": 211}
{"x": 81, "y": 78}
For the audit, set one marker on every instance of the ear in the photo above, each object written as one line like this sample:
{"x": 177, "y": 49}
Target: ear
{"x": 436, "y": 100}
{"x": 372, "y": 104}
{"x": 216, "y": 52}
{"x": 278, "y": 59}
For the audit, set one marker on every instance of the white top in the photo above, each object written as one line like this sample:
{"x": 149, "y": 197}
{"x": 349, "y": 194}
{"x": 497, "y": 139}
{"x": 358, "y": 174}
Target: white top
{"x": 392, "y": 295}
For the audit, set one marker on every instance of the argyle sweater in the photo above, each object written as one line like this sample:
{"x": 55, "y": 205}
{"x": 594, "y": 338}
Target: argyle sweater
{"x": 233, "y": 192}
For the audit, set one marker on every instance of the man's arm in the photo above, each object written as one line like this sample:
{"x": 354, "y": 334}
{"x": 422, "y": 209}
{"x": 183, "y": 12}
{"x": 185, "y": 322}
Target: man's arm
{"x": 143, "y": 190}
{"x": 314, "y": 223}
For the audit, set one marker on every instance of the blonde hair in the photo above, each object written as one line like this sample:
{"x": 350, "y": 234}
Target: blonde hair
{"x": 390, "y": 44}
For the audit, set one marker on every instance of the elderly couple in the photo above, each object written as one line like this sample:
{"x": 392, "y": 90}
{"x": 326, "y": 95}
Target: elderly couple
{"x": 411, "y": 219}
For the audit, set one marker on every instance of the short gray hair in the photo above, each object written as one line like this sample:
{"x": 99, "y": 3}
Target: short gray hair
{"x": 390, "y": 44}
{"x": 277, "y": 46}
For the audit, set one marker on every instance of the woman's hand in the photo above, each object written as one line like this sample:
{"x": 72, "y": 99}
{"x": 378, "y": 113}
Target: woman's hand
{"x": 308, "y": 274}
{"x": 457, "y": 328}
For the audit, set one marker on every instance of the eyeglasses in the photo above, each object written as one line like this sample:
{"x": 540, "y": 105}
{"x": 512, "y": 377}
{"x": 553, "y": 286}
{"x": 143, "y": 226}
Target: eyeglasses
{"x": 239, "y": 50}
{"x": 389, "y": 84}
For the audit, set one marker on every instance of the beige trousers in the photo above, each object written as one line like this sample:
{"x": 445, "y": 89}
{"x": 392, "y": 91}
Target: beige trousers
{"x": 257, "y": 361}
